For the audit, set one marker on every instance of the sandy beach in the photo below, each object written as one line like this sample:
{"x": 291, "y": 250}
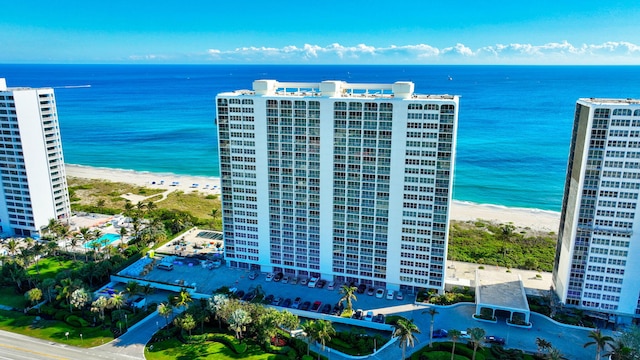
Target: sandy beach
{"x": 462, "y": 211}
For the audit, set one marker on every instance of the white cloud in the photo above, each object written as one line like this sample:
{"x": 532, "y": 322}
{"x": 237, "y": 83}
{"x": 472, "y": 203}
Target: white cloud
{"x": 563, "y": 52}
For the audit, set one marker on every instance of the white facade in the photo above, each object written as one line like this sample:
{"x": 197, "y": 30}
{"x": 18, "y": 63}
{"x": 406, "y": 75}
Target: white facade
{"x": 33, "y": 189}
{"x": 348, "y": 182}
{"x": 600, "y": 221}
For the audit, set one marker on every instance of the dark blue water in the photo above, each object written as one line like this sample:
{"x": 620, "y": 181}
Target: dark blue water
{"x": 513, "y": 132}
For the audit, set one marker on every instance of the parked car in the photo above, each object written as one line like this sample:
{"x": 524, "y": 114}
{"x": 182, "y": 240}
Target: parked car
{"x": 277, "y": 301}
{"x": 316, "y": 306}
{"x": 369, "y": 316}
{"x": 305, "y": 305}
{"x": 326, "y": 309}
{"x": 304, "y": 281}
{"x": 379, "y": 318}
{"x": 400, "y": 295}
{"x": 269, "y": 277}
{"x": 248, "y": 296}
{"x": 464, "y": 335}
{"x": 379, "y": 293}
{"x": 390, "y": 294}
{"x": 296, "y": 303}
{"x": 239, "y": 294}
{"x": 312, "y": 282}
{"x": 337, "y": 309}
{"x": 293, "y": 281}
{"x": 370, "y": 291}
{"x": 331, "y": 286}
{"x": 278, "y": 277}
{"x": 287, "y": 303}
{"x": 285, "y": 279}
{"x": 253, "y": 275}
{"x": 268, "y": 299}
{"x": 362, "y": 288}
{"x": 440, "y": 333}
{"x": 321, "y": 283}
{"x": 357, "y": 315}
{"x": 495, "y": 340}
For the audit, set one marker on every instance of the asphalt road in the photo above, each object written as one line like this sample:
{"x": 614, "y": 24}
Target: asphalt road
{"x": 19, "y": 347}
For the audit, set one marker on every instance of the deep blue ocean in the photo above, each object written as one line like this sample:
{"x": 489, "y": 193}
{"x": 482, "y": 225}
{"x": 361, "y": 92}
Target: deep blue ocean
{"x": 513, "y": 133}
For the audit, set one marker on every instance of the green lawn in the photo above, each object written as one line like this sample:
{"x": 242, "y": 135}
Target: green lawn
{"x": 174, "y": 349}
{"x": 50, "y": 266}
{"x": 53, "y": 330}
{"x": 9, "y": 297}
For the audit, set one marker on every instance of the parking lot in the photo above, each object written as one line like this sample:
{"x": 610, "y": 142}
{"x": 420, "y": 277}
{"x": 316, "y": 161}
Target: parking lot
{"x": 190, "y": 272}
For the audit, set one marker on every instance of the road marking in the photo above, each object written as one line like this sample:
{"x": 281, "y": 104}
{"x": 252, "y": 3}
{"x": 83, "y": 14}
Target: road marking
{"x": 33, "y": 352}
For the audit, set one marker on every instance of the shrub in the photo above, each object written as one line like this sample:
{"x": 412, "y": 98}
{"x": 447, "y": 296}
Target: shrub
{"x": 61, "y": 315}
{"x": 76, "y": 321}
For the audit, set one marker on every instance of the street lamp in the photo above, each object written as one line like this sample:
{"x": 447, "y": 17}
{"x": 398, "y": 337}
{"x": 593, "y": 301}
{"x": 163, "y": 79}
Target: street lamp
{"x": 126, "y": 321}
{"x": 67, "y": 335}
{"x": 81, "y": 339}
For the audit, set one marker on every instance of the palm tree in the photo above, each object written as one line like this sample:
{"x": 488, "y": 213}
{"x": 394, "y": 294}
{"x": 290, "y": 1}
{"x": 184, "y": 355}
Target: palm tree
{"x": 117, "y": 300}
{"x": 12, "y": 247}
{"x": 66, "y": 288}
{"x": 238, "y": 321}
{"x": 405, "y": 330}
{"x": 146, "y": 290}
{"x": 543, "y": 345}
{"x": 433, "y": 312}
{"x": 186, "y": 322}
{"x": 619, "y": 351}
{"x": 215, "y": 304}
{"x": 99, "y": 305}
{"x": 323, "y": 332}
{"x": 151, "y": 206}
{"x": 34, "y": 295}
{"x": 183, "y": 298}
{"x": 477, "y": 336}
{"x": 52, "y": 248}
{"x": 599, "y": 340}
{"x": 165, "y": 310}
{"x": 123, "y": 234}
{"x": 348, "y": 294}
{"x": 37, "y": 250}
{"x": 454, "y": 335}
{"x": 554, "y": 354}
{"x": 308, "y": 328}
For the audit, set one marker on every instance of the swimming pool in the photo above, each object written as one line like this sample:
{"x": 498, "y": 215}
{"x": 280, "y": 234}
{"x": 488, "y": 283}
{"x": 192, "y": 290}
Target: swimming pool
{"x": 103, "y": 240}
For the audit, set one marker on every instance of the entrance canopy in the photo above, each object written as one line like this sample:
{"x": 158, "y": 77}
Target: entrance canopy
{"x": 501, "y": 292}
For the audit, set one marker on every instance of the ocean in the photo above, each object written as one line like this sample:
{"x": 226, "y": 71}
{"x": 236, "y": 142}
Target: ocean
{"x": 513, "y": 133}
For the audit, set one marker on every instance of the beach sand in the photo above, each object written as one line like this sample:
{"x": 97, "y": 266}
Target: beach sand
{"x": 534, "y": 219}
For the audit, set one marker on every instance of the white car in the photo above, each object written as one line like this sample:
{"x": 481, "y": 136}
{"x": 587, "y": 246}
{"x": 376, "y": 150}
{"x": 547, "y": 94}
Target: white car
{"x": 464, "y": 335}
{"x": 312, "y": 282}
{"x": 390, "y": 295}
{"x": 269, "y": 277}
{"x": 331, "y": 285}
{"x": 380, "y": 293}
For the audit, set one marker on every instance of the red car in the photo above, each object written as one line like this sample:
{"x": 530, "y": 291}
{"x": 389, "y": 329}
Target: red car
{"x": 316, "y": 306}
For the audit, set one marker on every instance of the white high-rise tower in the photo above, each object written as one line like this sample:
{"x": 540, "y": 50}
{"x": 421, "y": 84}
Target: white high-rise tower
{"x": 600, "y": 221}
{"x": 348, "y": 182}
{"x": 33, "y": 188}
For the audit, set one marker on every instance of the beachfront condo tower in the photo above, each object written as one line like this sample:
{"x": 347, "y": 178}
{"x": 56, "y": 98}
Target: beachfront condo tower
{"x": 600, "y": 221}
{"x": 33, "y": 189}
{"x": 345, "y": 182}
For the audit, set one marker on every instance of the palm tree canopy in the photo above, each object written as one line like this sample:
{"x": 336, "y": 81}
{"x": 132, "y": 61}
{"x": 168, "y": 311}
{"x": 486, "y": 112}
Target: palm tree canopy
{"x": 405, "y": 330}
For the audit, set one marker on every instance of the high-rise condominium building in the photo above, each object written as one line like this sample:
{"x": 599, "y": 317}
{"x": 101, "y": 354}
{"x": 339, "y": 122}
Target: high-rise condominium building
{"x": 33, "y": 189}
{"x": 347, "y": 182}
{"x": 600, "y": 223}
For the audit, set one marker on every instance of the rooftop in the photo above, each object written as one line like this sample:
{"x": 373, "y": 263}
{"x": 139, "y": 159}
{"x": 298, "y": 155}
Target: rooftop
{"x": 627, "y": 101}
{"x": 399, "y": 89}
{"x": 504, "y": 290}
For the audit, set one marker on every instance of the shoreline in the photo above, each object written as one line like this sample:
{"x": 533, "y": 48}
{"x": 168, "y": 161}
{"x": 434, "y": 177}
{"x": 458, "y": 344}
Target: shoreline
{"x": 536, "y": 219}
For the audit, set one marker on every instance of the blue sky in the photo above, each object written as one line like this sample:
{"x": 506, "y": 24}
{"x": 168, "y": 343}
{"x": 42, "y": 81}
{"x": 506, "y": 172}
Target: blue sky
{"x": 321, "y": 32}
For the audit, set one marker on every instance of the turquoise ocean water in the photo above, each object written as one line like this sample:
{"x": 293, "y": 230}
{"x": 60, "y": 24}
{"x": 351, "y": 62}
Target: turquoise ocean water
{"x": 513, "y": 132}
